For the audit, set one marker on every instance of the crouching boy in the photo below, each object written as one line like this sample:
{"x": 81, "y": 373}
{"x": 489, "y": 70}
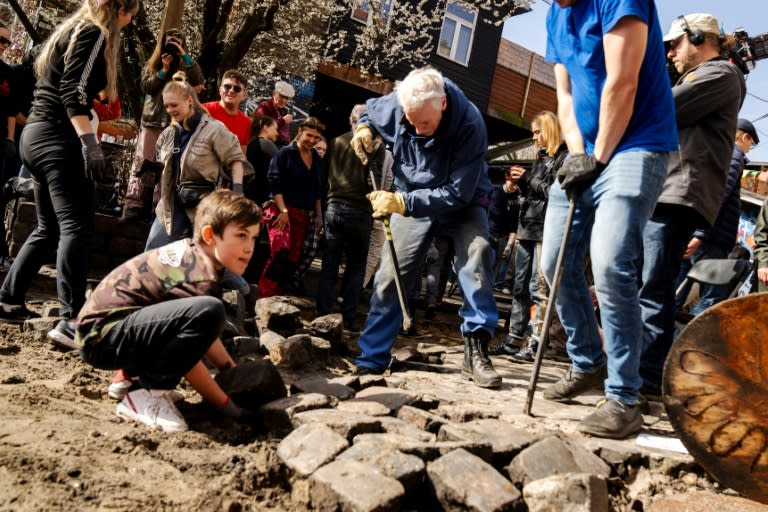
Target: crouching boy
{"x": 157, "y": 315}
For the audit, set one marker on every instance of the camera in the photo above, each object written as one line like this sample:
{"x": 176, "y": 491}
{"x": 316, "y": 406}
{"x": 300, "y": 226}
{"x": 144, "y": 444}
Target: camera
{"x": 170, "y": 49}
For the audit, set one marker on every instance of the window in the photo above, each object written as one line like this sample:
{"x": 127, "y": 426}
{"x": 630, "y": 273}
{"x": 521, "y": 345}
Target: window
{"x": 370, "y": 11}
{"x": 457, "y": 32}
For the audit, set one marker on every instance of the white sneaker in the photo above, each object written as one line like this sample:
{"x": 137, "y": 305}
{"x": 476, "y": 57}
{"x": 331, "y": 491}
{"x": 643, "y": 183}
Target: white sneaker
{"x": 154, "y": 408}
{"x": 121, "y": 384}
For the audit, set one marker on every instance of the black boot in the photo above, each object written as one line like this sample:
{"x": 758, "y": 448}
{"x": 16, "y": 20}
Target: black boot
{"x": 477, "y": 364}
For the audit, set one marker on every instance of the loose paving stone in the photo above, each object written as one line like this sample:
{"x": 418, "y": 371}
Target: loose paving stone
{"x": 365, "y": 407}
{"x": 241, "y": 346}
{"x": 704, "y": 502}
{"x": 309, "y": 447}
{"x": 406, "y": 469}
{"x": 572, "y": 492}
{"x": 553, "y": 456}
{"x": 331, "y": 328}
{"x": 270, "y": 339}
{"x": 426, "y": 450}
{"x": 294, "y": 352}
{"x": 321, "y": 348}
{"x": 367, "y": 381}
{"x": 345, "y": 424}
{"x": 277, "y": 314}
{"x": 350, "y": 381}
{"x": 466, "y": 412}
{"x": 317, "y": 384}
{"x": 392, "y": 398}
{"x": 422, "y": 419}
{"x": 276, "y": 415}
{"x": 397, "y": 426}
{"x": 463, "y": 481}
{"x": 349, "y": 485}
{"x": 506, "y": 440}
{"x": 252, "y": 384}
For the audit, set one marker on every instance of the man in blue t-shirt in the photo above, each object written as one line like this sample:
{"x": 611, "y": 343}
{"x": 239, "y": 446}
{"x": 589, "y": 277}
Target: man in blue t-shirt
{"x": 617, "y": 115}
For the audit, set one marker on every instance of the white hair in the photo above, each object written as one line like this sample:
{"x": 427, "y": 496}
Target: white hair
{"x": 420, "y": 86}
{"x": 357, "y": 111}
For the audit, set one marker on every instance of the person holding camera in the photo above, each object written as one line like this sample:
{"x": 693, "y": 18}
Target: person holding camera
{"x": 170, "y": 55}
{"x": 193, "y": 150}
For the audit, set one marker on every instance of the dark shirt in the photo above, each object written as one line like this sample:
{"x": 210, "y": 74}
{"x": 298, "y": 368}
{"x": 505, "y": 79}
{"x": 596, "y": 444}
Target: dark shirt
{"x": 259, "y": 154}
{"x": 503, "y": 211}
{"x": 8, "y": 102}
{"x": 348, "y": 180}
{"x": 67, "y": 87}
{"x": 289, "y": 176}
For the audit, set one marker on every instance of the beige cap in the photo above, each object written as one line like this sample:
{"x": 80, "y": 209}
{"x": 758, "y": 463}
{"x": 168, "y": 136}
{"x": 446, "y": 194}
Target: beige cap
{"x": 703, "y": 22}
{"x": 285, "y": 89}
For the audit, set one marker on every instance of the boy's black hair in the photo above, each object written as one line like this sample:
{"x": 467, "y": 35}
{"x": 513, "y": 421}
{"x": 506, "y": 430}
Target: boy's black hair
{"x": 223, "y": 207}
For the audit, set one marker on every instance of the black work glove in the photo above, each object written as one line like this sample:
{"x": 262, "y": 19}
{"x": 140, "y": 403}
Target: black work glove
{"x": 9, "y": 151}
{"x": 578, "y": 172}
{"x": 93, "y": 157}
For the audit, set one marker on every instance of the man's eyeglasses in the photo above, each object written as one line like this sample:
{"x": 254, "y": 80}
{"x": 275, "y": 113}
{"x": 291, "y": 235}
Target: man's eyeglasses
{"x": 235, "y": 88}
{"x": 5, "y": 41}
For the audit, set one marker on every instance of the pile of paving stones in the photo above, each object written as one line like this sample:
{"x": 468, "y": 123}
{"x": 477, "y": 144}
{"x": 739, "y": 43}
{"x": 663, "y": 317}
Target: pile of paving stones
{"x": 396, "y": 442}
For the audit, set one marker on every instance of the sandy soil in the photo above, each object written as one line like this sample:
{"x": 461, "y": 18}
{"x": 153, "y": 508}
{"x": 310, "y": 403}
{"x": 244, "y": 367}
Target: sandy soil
{"x": 63, "y": 448}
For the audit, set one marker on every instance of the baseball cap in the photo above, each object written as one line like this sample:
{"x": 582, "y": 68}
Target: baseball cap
{"x": 285, "y": 89}
{"x": 697, "y": 21}
{"x": 748, "y": 128}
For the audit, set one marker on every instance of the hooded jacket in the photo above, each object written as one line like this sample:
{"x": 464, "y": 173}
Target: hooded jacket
{"x": 438, "y": 174}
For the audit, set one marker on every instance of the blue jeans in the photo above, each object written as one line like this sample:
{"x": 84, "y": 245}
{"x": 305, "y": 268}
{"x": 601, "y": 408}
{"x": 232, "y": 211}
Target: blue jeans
{"x": 525, "y": 291}
{"x": 709, "y": 295}
{"x": 666, "y": 236}
{"x": 181, "y": 228}
{"x": 468, "y": 229}
{"x": 65, "y": 209}
{"x": 609, "y": 220}
{"x": 347, "y": 231}
{"x": 500, "y": 264}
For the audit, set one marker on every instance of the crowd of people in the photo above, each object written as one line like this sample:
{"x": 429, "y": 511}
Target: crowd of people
{"x": 650, "y": 171}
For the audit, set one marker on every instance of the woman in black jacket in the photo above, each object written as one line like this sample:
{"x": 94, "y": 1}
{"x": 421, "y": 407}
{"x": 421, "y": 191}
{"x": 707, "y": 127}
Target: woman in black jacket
{"x": 530, "y": 286}
{"x": 60, "y": 148}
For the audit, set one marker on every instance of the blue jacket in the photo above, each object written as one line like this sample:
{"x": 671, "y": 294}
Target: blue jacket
{"x": 438, "y": 174}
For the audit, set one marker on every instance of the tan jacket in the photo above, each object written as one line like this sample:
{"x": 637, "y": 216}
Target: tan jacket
{"x": 211, "y": 146}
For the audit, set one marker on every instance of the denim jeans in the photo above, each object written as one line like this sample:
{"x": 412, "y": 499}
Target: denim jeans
{"x": 468, "y": 230}
{"x": 609, "y": 220}
{"x": 160, "y": 343}
{"x": 525, "y": 291}
{"x": 65, "y": 208}
{"x": 500, "y": 264}
{"x": 347, "y": 230}
{"x": 709, "y": 295}
{"x": 666, "y": 236}
{"x": 181, "y": 228}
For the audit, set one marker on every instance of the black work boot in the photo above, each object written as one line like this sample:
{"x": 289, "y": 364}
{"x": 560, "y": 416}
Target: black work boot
{"x": 477, "y": 364}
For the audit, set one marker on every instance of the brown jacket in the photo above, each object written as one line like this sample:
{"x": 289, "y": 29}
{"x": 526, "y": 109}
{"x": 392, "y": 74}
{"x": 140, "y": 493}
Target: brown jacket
{"x": 211, "y": 147}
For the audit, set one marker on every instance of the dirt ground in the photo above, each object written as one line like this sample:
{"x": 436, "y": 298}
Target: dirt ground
{"x": 63, "y": 448}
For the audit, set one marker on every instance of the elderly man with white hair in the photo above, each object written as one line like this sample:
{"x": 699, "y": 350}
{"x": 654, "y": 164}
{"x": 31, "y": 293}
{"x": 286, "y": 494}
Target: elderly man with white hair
{"x": 439, "y": 142}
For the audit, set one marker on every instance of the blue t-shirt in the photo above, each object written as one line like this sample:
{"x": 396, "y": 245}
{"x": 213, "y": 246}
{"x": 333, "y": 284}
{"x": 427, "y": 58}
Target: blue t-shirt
{"x": 575, "y": 40}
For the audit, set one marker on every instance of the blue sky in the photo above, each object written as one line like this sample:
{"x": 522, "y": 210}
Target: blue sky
{"x": 529, "y": 30}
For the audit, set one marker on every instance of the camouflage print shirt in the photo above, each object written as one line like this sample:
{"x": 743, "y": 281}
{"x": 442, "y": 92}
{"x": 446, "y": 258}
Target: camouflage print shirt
{"x": 174, "y": 271}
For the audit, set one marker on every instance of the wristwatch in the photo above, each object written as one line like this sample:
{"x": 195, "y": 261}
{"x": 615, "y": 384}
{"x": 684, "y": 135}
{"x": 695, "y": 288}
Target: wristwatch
{"x": 284, "y": 210}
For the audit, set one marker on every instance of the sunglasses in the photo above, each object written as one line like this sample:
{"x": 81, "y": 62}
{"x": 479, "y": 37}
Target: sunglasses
{"x": 236, "y": 88}
{"x": 5, "y": 41}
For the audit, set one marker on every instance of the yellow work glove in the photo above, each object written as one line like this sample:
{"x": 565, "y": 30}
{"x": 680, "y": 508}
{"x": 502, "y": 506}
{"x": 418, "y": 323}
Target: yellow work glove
{"x": 386, "y": 203}
{"x": 363, "y": 143}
